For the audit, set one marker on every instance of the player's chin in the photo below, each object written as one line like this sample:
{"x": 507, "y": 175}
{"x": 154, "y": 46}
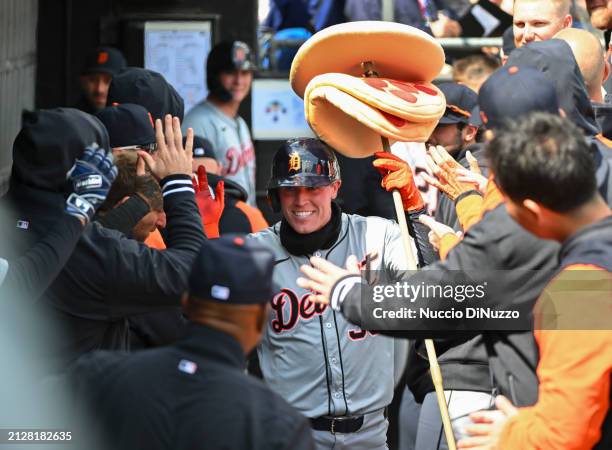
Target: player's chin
{"x": 304, "y": 225}
{"x": 239, "y": 95}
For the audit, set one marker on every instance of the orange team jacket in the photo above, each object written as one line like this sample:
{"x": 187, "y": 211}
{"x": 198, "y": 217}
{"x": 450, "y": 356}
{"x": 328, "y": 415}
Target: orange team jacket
{"x": 470, "y": 210}
{"x": 575, "y": 366}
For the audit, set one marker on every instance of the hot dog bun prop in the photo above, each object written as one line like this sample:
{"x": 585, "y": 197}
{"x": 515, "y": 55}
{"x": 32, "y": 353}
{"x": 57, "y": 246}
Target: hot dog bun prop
{"x": 366, "y": 84}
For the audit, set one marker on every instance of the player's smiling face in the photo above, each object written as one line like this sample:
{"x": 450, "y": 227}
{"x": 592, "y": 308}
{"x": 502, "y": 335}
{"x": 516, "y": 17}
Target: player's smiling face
{"x": 237, "y": 82}
{"x": 307, "y": 209}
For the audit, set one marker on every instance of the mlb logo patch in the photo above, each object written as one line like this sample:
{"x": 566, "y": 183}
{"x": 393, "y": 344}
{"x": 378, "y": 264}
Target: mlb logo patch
{"x": 220, "y": 292}
{"x": 23, "y": 224}
{"x": 187, "y": 366}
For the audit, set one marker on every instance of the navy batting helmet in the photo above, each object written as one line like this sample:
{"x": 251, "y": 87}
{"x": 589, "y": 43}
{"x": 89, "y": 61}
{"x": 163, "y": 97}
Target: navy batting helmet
{"x": 303, "y": 162}
{"x": 226, "y": 56}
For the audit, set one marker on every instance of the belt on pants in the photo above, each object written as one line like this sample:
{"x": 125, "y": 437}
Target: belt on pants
{"x": 343, "y": 425}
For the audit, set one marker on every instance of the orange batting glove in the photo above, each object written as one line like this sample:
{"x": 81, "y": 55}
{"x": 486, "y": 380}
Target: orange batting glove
{"x": 210, "y": 208}
{"x": 397, "y": 174}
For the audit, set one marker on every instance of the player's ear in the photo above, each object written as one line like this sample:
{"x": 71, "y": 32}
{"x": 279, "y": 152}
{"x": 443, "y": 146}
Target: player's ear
{"x": 469, "y": 133}
{"x": 533, "y": 210}
{"x": 336, "y": 187}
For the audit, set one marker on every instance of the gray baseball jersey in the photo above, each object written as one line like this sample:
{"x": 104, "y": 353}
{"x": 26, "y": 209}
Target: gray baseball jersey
{"x": 232, "y": 143}
{"x": 311, "y": 355}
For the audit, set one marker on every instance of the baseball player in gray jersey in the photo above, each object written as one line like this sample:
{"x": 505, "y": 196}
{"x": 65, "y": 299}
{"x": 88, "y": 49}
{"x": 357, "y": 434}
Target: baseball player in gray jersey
{"x": 338, "y": 375}
{"x": 229, "y": 73}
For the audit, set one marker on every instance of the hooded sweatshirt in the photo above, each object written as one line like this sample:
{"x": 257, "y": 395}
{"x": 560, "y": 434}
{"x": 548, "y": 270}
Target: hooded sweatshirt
{"x": 108, "y": 277}
{"x": 555, "y": 59}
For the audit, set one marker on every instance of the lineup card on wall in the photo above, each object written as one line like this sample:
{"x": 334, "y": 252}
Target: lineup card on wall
{"x": 178, "y": 50}
{"x": 276, "y": 111}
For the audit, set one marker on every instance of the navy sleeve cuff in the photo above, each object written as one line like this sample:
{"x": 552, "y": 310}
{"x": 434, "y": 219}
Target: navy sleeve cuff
{"x": 174, "y": 184}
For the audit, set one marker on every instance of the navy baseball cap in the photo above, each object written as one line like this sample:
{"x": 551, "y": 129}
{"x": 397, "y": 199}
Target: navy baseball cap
{"x": 146, "y": 88}
{"x": 127, "y": 125}
{"x": 460, "y": 100}
{"x": 105, "y": 60}
{"x": 513, "y": 91}
{"x": 475, "y": 118}
{"x": 232, "y": 269}
{"x": 202, "y": 147}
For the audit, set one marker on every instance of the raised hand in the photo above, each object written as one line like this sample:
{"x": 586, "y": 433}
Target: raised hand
{"x": 171, "y": 158}
{"x": 210, "y": 207}
{"x": 323, "y": 275}
{"x": 444, "y": 167}
{"x": 437, "y": 230}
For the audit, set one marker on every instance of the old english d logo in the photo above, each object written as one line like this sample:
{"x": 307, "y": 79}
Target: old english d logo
{"x": 295, "y": 161}
{"x": 240, "y": 55}
{"x": 102, "y": 57}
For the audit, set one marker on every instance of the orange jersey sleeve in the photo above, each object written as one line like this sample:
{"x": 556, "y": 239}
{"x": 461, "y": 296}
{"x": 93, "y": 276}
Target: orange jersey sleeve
{"x": 574, "y": 393}
{"x": 471, "y": 208}
{"x": 447, "y": 243}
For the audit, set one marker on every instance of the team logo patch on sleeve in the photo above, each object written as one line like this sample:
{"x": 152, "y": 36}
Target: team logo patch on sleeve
{"x": 187, "y": 366}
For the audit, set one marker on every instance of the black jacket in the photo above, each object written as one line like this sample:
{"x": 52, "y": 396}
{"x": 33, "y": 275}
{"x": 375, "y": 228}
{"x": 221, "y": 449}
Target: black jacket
{"x": 30, "y": 274}
{"x": 497, "y": 242}
{"x": 110, "y": 277}
{"x": 193, "y": 394}
{"x": 164, "y": 327}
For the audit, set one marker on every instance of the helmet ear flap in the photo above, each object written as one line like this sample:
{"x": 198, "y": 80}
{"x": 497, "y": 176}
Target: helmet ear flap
{"x": 273, "y": 200}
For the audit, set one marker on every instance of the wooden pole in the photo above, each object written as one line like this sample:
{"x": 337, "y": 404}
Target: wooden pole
{"x": 434, "y": 367}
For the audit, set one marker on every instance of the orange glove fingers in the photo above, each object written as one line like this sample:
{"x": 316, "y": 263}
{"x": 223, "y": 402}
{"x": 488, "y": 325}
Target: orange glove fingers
{"x": 389, "y": 164}
{"x": 220, "y": 197}
{"x": 202, "y": 178}
{"x": 387, "y": 155}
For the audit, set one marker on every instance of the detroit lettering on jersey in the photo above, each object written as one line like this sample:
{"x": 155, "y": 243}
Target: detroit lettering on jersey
{"x": 237, "y": 159}
{"x": 288, "y": 309}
